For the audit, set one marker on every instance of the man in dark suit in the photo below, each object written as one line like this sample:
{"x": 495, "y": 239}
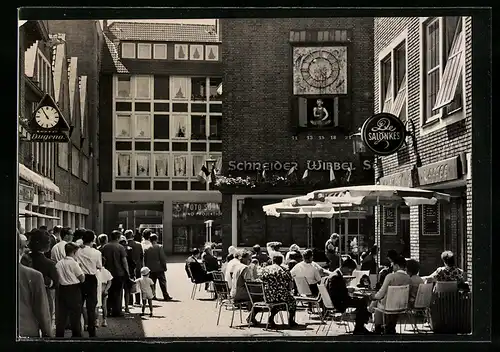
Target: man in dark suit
{"x": 195, "y": 270}
{"x": 137, "y": 257}
{"x": 34, "y": 312}
{"x": 156, "y": 260}
{"x": 339, "y": 294}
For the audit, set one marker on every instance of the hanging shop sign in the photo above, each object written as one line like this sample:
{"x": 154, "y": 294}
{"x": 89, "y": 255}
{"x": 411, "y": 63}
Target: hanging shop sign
{"x": 26, "y": 193}
{"x": 195, "y": 210}
{"x": 441, "y": 171}
{"x": 312, "y": 165}
{"x": 47, "y": 123}
{"x": 384, "y": 134}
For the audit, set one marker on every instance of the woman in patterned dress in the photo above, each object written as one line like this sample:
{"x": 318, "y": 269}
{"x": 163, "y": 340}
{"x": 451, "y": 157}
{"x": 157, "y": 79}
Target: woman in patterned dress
{"x": 448, "y": 272}
{"x": 277, "y": 288}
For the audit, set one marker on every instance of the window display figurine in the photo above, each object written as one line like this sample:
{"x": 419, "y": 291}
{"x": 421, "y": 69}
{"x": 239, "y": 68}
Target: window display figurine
{"x": 320, "y": 115}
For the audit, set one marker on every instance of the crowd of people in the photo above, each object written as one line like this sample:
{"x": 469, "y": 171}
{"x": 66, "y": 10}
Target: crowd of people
{"x": 277, "y": 273}
{"x": 66, "y": 276}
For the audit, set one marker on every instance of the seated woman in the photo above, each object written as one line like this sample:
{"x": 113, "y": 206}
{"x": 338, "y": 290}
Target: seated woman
{"x": 412, "y": 269}
{"x": 448, "y": 272}
{"x": 277, "y": 283}
{"x": 293, "y": 254}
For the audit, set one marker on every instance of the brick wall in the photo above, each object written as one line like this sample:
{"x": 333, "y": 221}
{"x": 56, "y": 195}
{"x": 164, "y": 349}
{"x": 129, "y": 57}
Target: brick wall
{"x": 105, "y": 132}
{"x": 441, "y": 144}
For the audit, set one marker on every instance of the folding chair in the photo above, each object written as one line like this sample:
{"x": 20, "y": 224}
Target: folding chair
{"x": 305, "y": 294}
{"x": 396, "y": 302}
{"x": 329, "y": 308}
{"x": 195, "y": 284}
{"x": 257, "y": 296}
{"x": 224, "y": 300}
{"x": 422, "y": 304}
{"x": 445, "y": 286}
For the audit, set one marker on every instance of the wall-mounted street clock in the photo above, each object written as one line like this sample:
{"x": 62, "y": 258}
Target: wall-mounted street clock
{"x": 47, "y": 117}
{"x": 320, "y": 68}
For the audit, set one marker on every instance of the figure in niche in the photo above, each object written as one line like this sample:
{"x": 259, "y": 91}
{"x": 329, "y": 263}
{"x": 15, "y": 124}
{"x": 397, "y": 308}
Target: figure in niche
{"x": 181, "y": 53}
{"x": 320, "y": 115}
{"x": 211, "y": 55}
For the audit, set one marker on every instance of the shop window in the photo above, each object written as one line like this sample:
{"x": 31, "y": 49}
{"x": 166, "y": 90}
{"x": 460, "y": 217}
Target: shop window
{"x": 123, "y": 87}
{"x": 198, "y": 127}
{"x": 128, "y": 50}
{"x": 143, "y": 51}
{"x": 142, "y": 87}
{"x": 199, "y": 88}
{"x": 215, "y": 128}
{"x": 215, "y": 88}
{"x": 161, "y": 88}
{"x": 160, "y": 51}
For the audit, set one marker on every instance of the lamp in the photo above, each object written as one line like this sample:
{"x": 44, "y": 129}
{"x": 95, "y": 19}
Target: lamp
{"x": 357, "y": 143}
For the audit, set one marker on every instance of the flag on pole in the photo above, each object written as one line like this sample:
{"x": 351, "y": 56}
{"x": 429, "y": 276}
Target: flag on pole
{"x": 203, "y": 174}
{"x": 306, "y": 173}
{"x": 349, "y": 172}
{"x": 291, "y": 171}
{"x": 332, "y": 174}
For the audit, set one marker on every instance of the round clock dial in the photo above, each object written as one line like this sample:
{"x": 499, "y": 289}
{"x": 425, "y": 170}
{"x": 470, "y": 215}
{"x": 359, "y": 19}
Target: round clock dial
{"x": 320, "y": 69}
{"x": 47, "y": 117}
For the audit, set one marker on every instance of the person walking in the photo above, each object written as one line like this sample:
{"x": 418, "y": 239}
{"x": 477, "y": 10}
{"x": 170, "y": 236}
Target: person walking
{"x": 69, "y": 295}
{"x": 156, "y": 260}
{"x": 90, "y": 260}
{"x": 136, "y": 255}
{"x": 34, "y": 312}
{"x": 57, "y": 253}
{"x": 115, "y": 260}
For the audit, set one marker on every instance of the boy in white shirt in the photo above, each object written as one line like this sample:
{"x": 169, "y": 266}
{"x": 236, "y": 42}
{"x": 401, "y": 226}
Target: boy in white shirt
{"x": 146, "y": 286}
{"x": 69, "y": 295}
{"x": 104, "y": 278}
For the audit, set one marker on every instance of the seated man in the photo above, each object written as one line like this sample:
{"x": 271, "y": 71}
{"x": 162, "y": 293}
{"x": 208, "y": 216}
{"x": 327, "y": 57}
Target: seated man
{"x": 307, "y": 270}
{"x": 391, "y": 254}
{"x": 257, "y": 254}
{"x": 339, "y": 294}
{"x": 195, "y": 270}
{"x": 398, "y": 278}
{"x": 412, "y": 269}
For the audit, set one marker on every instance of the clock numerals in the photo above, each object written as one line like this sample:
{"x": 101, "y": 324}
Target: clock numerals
{"x": 47, "y": 117}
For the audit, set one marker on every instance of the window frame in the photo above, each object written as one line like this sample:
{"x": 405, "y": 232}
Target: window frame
{"x": 194, "y": 173}
{"x": 116, "y": 163}
{"x": 390, "y": 52}
{"x": 136, "y": 129}
{"x": 443, "y": 118}
{"x": 143, "y": 45}
{"x": 155, "y": 57}
{"x": 167, "y": 156}
{"x": 135, "y": 174}
{"x": 123, "y": 44}
{"x": 136, "y": 90}
{"x": 188, "y": 167}
{"x": 117, "y": 85}
{"x": 119, "y": 115}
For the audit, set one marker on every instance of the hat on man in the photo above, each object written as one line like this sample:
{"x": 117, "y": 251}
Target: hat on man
{"x": 145, "y": 271}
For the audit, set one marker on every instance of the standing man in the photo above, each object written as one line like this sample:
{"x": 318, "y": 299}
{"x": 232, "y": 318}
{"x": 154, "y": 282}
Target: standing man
{"x": 115, "y": 258}
{"x": 58, "y": 252}
{"x": 34, "y": 313}
{"x": 156, "y": 260}
{"x": 55, "y": 238}
{"x": 146, "y": 243}
{"x": 137, "y": 257}
{"x": 90, "y": 260}
{"x": 332, "y": 251}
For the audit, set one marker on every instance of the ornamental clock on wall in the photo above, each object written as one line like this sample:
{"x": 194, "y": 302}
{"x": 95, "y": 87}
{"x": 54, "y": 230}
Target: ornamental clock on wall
{"x": 320, "y": 70}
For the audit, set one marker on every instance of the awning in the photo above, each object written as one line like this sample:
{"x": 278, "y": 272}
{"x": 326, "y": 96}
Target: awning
{"x": 26, "y": 213}
{"x": 39, "y": 180}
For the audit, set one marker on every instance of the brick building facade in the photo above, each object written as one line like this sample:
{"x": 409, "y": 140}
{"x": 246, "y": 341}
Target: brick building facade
{"x": 54, "y": 177}
{"x": 275, "y": 70}
{"x": 160, "y": 122}
{"x": 425, "y": 63}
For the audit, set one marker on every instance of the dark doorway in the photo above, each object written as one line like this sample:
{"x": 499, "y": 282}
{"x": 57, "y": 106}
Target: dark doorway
{"x": 404, "y": 226}
{"x": 320, "y": 234}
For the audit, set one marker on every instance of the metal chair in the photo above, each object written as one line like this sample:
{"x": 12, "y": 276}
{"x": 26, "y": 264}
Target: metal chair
{"x": 257, "y": 296}
{"x": 305, "y": 294}
{"x": 195, "y": 284}
{"x": 224, "y": 300}
{"x": 396, "y": 302}
{"x": 422, "y": 304}
{"x": 329, "y": 308}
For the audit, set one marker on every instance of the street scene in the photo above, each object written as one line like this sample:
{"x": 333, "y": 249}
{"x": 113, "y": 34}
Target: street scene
{"x": 245, "y": 177}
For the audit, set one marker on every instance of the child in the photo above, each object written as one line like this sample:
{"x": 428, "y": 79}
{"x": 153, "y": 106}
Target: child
{"x": 146, "y": 286}
{"x": 104, "y": 278}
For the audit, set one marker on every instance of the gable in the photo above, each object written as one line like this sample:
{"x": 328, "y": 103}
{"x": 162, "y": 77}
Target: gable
{"x": 73, "y": 80}
{"x": 30, "y": 60}
{"x": 58, "y": 68}
{"x": 83, "y": 101}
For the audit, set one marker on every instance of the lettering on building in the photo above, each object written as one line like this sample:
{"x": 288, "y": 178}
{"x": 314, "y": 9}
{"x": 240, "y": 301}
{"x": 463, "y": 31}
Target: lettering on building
{"x": 312, "y": 165}
{"x": 441, "y": 171}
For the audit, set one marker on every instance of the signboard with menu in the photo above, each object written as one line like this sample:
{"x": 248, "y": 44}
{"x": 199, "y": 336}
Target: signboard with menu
{"x": 431, "y": 220}
{"x": 390, "y": 221}
{"x": 199, "y": 211}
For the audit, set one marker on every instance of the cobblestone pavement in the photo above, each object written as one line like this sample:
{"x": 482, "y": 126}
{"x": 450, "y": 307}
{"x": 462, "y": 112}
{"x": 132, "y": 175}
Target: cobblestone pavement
{"x": 184, "y": 317}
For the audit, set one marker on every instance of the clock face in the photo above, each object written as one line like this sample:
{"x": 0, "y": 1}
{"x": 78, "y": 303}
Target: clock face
{"x": 320, "y": 68}
{"x": 47, "y": 117}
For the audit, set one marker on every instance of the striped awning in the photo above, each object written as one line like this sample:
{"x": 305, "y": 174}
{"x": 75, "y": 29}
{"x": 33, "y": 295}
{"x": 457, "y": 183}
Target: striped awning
{"x": 400, "y": 99}
{"x": 451, "y": 74}
{"x": 39, "y": 180}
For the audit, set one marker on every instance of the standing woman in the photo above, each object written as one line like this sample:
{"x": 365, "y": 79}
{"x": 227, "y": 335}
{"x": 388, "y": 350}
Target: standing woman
{"x": 331, "y": 251}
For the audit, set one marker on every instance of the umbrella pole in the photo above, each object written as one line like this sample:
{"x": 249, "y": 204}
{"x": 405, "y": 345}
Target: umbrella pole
{"x": 340, "y": 235}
